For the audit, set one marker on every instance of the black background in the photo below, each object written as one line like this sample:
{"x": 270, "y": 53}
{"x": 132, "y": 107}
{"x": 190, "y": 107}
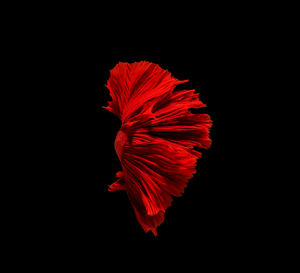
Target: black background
{"x": 61, "y": 142}
{"x": 71, "y": 210}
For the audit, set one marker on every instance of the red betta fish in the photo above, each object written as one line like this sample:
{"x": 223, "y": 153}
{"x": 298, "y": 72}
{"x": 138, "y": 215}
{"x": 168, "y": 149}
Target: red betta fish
{"x": 157, "y": 138}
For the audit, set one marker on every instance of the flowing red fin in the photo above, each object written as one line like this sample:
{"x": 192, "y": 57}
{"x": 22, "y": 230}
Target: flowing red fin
{"x": 156, "y": 141}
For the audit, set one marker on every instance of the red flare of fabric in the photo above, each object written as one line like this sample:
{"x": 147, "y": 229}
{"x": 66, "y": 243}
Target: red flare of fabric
{"x": 157, "y": 140}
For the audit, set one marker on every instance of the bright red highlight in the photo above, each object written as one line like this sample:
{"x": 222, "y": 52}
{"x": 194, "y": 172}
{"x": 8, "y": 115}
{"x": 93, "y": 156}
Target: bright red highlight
{"x": 156, "y": 141}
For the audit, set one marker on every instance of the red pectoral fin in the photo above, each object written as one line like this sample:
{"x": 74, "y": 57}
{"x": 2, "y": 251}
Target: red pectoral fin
{"x": 119, "y": 185}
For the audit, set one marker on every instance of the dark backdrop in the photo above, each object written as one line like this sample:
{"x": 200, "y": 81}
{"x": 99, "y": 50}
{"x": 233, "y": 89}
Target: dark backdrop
{"x": 63, "y": 147}
{"x": 76, "y": 213}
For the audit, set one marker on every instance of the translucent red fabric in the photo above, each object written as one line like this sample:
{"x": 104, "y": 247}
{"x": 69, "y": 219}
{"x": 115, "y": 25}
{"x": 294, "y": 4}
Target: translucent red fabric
{"x": 156, "y": 141}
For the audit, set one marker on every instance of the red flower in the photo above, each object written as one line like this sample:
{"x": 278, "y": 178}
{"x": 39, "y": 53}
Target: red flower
{"x": 157, "y": 138}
